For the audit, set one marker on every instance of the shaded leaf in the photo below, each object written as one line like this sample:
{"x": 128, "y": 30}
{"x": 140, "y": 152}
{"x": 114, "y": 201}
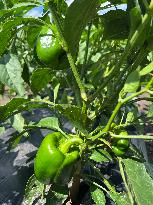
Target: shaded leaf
{"x": 26, "y": 73}
{"x": 132, "y": 115}
{"x": 120, "y": 20}
{"x": 74, "y": 114}
{"x": 79, "y": 13}
{"x": 40, "y": 78}
{"x": 57, "y": 195}
{"x": 6, "y": 32}
{"x": 14, "y": 141}
{"x": 32, "y": 34}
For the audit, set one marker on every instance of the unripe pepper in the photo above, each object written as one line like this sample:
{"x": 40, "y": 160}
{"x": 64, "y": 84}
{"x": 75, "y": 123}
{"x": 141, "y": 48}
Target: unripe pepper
{"x": 49, "y": 51}
{"x": 117, "y": 151}
{"x": 120, "y": 146}
{"x": 56, "y": 157}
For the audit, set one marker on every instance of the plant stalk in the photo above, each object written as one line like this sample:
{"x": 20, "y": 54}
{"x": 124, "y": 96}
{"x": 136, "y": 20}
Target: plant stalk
{"x": 66, "y": 48}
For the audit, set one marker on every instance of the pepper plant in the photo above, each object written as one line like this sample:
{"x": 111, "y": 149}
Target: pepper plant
{"x": 90, "y": 65}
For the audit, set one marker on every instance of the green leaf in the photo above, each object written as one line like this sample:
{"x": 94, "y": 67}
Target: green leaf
{"x": 18, "y": 122}
{"x": 26, "y": 73}
{"x": 6, "y": 32}
{"x": 98, "y": 196}
{"x": 79, "y": 13}
{"x": 117, "y": 1}
{"x": 14, "y": 141}
{"x": 49, "y": 122}
{"x": 135, "y": 19}
{"x": 132, "y": 115}
{"x": 33, "y": 190}
{"x": 1, "y": 5}
{"x": 56, "y": 89}
{"x": 2, "y": 130}
{"x": 17, "y": 105}
{"x": 17, "y": 8}
{"x": 32, "y": 34}
{"x": 147, "y": 69}
{"x": 100, "y": 155}
{"x": 10, "y": 107}
{"x": 40, "y": 78}
{"x": 150, "y": 111}
{"x": 119, "y": 198}
{"x": 74, "y": 114}
{"x": 120, "y": 20}
{"x": 140, "y": 181}
{"x": 11, "y": 72}
{"x": 57, "y": 195}
{"x": 132, "y": 82}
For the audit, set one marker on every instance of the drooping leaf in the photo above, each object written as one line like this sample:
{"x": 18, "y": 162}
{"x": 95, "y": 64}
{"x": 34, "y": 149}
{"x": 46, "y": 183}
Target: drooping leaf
{"x": 40, "y": 78}
{"x": 147, "y": 69}
{"x": 10, "y": 107}
{"x": 57, "y": 195}
{"x": 11, "y": 73}
{"x": 18, "y": 122}
{"x": 74, "y": 114}
{"x": 79, "y": 13}
{"x": 17, "y": 105}
{"x": 100, "y": 155}
{"x": 132, "y": 82}
{"x": 140, "y": 181}
{"x": 14, "y": 141}
{"x": 51, "y": 123}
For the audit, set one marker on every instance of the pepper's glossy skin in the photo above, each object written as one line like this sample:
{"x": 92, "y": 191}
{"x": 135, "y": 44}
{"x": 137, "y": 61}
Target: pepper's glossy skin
{"x": 118, "y": 151}
{"x": 120, "y": 146}
{"x": 54, "y": 156}
{"x": 123, "y": 143}
{"x": 48, "y": 49}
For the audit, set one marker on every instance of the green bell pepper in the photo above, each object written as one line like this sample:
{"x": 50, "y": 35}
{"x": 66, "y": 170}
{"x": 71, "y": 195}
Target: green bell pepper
{"x": 56, "y": 157}
{"x": 121, "y": 145}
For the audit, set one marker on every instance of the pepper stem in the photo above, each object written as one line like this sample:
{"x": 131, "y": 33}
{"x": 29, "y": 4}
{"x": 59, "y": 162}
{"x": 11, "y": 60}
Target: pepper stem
{"x": 68, "y": 143}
